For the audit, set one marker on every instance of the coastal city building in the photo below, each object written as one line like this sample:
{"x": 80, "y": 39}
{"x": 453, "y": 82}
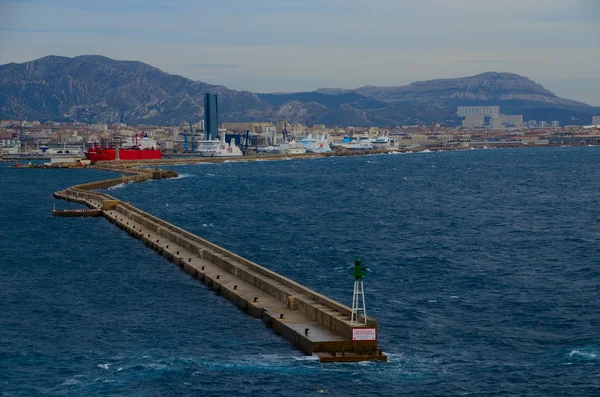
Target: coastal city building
{"x": 596, "y": 120}
{"x": 99, "y": 127}
{"x": 512, "y": 120}
{"x": 32, "y": 138}
{"x": 281, "y": 126}
{"x": 496, "y": 123}
{"x": 211, "y": 116}
{"x": 473, "y": 121}
{"x": 486, "y": 111}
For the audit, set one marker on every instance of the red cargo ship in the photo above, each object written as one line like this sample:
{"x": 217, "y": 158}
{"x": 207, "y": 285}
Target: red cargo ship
{"x": 143, "y": 149}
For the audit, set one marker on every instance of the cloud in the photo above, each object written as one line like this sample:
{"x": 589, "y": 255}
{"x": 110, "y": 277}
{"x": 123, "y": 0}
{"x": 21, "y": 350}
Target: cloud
{"x": 483, "y": 61}
{"x": 290, "y": 45}
{"x": 211, "y": 66}
{"x": 26, "y": 30}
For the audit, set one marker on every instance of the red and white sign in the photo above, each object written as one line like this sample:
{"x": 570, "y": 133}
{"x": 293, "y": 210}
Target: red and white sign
{"x": 364, "y": 334}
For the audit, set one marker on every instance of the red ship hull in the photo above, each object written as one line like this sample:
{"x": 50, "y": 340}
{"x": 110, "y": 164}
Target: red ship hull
{"x": 108, "y": 154}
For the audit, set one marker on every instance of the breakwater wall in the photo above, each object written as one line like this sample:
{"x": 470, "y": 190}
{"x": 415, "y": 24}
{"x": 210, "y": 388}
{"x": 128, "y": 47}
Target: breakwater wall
{"x": 313, "y": 322}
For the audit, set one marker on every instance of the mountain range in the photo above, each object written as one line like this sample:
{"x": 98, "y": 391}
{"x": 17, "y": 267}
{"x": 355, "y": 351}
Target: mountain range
{"x": 92, "y": 88}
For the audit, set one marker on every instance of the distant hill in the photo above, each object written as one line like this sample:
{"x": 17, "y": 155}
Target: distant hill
{"x": 95, "y": 88}
{"x": 92, "y": 88}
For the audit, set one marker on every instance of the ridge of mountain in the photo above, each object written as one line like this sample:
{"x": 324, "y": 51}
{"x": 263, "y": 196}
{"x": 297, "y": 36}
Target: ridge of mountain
{"x": 488, "y": 86}
{"x": 94, "y": 88}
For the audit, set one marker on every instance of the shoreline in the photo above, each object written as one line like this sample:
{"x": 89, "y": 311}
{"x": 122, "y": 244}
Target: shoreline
{"x": 193, "y": 159}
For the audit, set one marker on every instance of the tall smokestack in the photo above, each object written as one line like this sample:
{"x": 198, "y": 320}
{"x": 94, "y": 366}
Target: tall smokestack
{"x": 117, "y": 142}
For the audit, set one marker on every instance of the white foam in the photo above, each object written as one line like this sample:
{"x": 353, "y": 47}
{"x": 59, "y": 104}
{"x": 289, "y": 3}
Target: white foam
{"x": 583, "y": 354}
{"x": 70, "y": 382}
{"x": 103, "y": 366}
{"x": 181, "y": 176}
{"x": 120, "y": 185}
{"x": 155, "y": 366}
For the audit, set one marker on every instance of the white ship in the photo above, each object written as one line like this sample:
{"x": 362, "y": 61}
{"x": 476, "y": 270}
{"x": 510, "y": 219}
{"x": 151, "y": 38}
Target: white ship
{"x": 267, "y": 149}
{"x": 313, "y": 145}
{"x": 382, "y": 142}
{"x": 218, "y": 148}
{"x": 292, "y": 148}
{"x": 362, "y": 143}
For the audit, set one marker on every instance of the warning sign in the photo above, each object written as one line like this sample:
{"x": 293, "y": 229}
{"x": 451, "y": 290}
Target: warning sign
{"x": 364, "y": 334}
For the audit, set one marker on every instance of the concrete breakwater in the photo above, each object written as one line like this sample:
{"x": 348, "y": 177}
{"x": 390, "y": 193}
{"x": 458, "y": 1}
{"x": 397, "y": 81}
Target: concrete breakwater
{"x": 311, "y": 321}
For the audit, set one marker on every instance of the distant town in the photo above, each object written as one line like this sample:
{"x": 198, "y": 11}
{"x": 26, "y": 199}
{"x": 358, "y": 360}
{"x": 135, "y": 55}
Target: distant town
{"x": 482, "y": 126}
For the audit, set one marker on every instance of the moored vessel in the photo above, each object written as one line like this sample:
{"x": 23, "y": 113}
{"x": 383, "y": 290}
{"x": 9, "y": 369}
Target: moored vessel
{"x": 291, "y": 148}
{"x": 218, "y": 148}
{"x": 143, "y": 148}
{"x": 313, "y": 145}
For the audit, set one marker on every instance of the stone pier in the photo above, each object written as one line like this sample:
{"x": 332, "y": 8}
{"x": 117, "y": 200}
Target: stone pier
{"x": 311, "y": 321}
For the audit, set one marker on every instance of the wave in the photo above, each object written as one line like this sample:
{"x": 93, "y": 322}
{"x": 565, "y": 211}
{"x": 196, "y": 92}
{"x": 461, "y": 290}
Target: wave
{"x": 182, "y": 176}
{"x": 119, "y": 186}
{"x": 584, "y": 354}
{"x": 70, "y": 382}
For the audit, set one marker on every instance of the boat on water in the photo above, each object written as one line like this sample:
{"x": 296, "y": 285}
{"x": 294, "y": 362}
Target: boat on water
{"x": 142, "y": 148}
{"x": 267, "y": 149}
{"x": 291, "y": 148}
{"x": 218, "y": 148}
{"x": 345, "y": 140}
{"x": 67, "y": 162}
{"x": 361, "y": 143}
{"x": 382, "y": 142}
{"x": 358, "y": 145}
{"x": 313, "y": 145}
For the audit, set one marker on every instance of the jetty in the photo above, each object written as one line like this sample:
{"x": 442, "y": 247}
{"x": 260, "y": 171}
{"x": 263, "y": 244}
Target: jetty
{"x": 313, "y": 322}
{"x": 78, "y": 213}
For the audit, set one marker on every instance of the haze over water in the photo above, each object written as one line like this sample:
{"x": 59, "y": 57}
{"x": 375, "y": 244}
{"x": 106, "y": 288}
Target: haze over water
{"x": 483, "y": 277}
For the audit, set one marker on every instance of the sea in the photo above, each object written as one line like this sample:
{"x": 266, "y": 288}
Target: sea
{"x": 483, "y": 275}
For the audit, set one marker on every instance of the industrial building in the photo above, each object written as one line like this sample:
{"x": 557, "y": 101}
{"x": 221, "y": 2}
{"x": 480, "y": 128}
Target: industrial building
{"x": 485, "y": 111}
{"x": 473, "y": 121}
{"x": 511, "y": 119}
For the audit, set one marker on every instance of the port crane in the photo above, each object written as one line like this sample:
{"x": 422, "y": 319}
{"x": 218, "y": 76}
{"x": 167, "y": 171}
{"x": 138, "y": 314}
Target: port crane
{"x": 191, "y": 134}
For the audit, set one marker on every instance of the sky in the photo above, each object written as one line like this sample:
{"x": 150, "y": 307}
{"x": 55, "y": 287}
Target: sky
{"x": 302, "y": 45}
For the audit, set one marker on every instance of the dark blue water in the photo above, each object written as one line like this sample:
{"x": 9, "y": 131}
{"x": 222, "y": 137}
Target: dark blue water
{"x": 484, "y": 277}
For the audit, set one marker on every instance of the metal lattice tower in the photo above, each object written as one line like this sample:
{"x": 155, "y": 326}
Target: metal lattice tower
{"x": 359, "y": 310}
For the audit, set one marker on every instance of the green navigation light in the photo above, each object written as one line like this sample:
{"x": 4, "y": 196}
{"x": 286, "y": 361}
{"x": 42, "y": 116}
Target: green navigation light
{"x": 359, "y": 271}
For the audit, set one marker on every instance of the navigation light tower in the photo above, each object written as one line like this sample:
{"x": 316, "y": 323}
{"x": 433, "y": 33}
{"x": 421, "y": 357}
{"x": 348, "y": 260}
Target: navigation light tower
{"x": 359, "y": 310}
